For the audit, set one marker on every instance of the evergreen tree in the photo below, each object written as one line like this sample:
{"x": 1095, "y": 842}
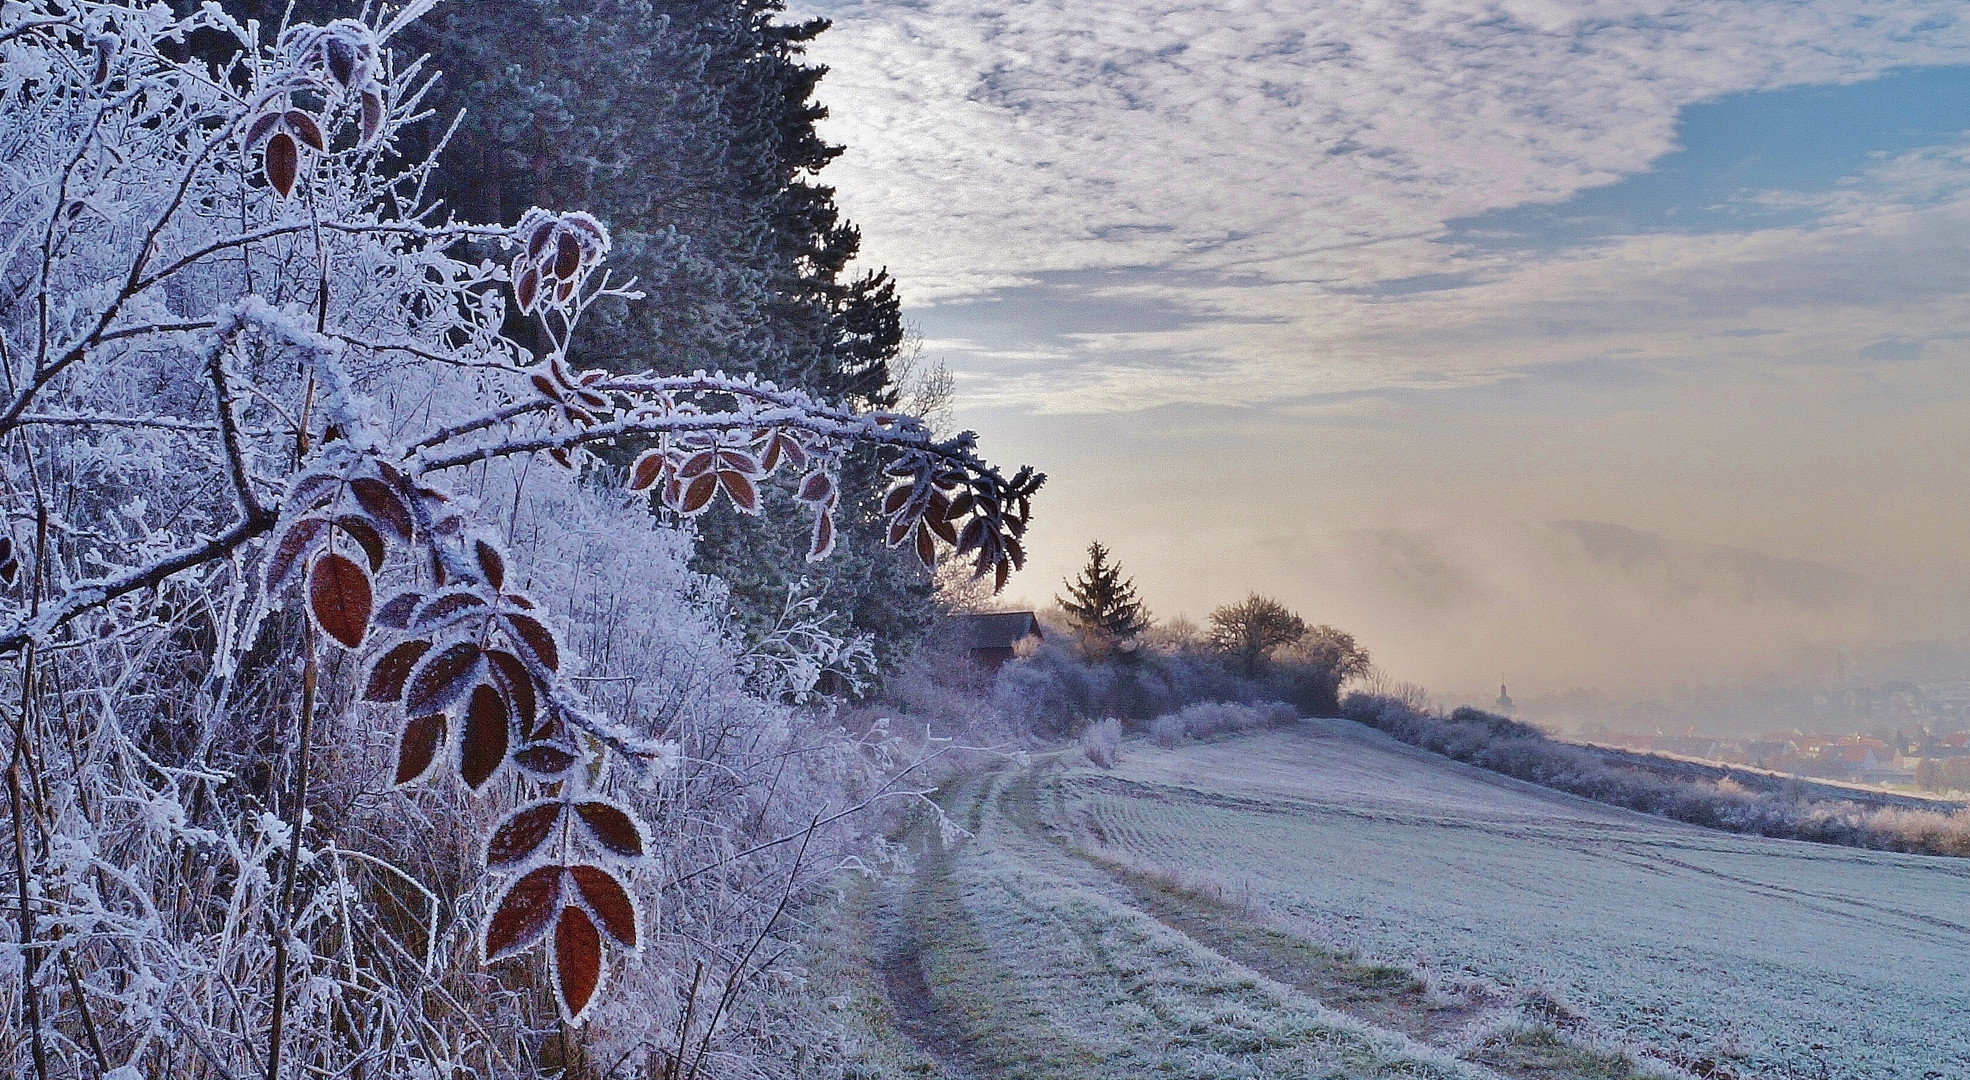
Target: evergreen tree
{"x": 1102, "y": 604}
{"x": 689, "y": 127}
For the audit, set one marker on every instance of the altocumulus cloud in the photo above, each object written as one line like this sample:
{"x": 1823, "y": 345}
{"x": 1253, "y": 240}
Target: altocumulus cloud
{"x": 1282, "y": 175}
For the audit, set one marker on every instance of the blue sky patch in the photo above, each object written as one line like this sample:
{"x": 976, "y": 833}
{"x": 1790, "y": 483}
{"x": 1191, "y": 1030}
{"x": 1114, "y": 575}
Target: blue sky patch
{"x": 1804, "y": 140}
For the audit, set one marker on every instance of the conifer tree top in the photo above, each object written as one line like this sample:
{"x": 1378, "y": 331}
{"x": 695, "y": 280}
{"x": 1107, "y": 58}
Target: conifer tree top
{"x": 1102, "y": 603}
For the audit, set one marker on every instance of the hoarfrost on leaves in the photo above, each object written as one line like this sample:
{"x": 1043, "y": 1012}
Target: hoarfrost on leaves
{"x": 295, "y": 534}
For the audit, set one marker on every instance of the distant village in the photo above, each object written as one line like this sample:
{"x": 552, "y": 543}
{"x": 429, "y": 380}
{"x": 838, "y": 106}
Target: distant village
{"x": 1900, "y": 735}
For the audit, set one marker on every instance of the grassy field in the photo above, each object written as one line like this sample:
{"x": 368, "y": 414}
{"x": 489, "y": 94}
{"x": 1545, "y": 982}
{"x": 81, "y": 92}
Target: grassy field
{"x": 1320, "y": 901}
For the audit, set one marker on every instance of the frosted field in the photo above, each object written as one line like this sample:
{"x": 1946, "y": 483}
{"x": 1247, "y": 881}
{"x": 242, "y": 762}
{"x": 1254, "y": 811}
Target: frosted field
{"x": 1053, "y": 975}
{"x": 1786, "y": 959}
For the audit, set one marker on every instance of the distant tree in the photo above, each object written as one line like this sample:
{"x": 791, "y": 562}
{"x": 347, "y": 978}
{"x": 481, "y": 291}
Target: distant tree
{"x": 1102, "y": 604}
{"x": 1333, "y": 650}
{"x": 1318, "y": 664}
{"x": 1252, "y": 628}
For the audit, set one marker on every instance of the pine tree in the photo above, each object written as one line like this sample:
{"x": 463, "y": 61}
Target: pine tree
{"x": 1102, "y": 604}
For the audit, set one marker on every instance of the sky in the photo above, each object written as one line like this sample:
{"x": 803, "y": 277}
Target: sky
{"x": 1616, "y": 344}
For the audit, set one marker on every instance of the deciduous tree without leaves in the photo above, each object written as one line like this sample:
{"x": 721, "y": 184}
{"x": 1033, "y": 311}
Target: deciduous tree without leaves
{"x": 1252, "y": 628}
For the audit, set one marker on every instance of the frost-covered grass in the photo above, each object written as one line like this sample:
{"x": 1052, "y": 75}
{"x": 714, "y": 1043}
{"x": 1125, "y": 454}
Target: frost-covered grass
{"x": 1052, "y": 972}
{"x": 1738, "y": 955}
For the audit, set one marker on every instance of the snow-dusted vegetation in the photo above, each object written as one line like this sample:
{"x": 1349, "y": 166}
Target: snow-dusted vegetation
{"x": 361, "y": 715}
{"x": 1740, "y": 800}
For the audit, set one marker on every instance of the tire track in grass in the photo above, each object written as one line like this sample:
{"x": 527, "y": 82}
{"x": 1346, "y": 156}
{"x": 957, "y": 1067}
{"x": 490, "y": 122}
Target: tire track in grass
{"x": 1015, "y": 959}
{"x": 1387, "y": 997}
{"x": 960, "y": 1005}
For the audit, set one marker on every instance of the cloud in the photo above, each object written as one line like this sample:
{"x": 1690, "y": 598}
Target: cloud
{"x": 1331, "y": 299}
{"x": 1281, "y": 140}
{"x": 1265, "y": 188}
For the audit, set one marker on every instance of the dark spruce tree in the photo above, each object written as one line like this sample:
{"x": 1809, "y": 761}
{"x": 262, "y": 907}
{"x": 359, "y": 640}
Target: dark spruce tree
{"x": 1102, "y": 605}
{"x": 689, "y": 127}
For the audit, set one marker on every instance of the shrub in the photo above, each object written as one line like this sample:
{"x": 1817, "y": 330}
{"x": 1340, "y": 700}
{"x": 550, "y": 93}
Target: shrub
{"x": 1056, "y": 690}
{"x": 1725, "y": 800}
{"x": 1101, "y": 741}
{"x": 1203, "y": 719}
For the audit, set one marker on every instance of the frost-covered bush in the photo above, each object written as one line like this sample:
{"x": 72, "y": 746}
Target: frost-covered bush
{"x": 1058, "y": 688}
{"x": 1101, "y": 742}
{"x": 362, "y": 713}
{"x": 1204, "y": 719}
{"x": 1772, "y": 808}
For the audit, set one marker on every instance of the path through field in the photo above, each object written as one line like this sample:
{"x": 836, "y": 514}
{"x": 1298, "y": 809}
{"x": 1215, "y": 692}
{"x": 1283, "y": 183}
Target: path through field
{"x": 1320, "y": 901}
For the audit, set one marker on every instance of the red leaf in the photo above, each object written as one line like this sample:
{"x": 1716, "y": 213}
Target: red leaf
{"x": 567, "y": 256}
{"x": 544, "y": 761}
{"x": 973, "y": 535}
{"x": 394, "y": 613}
{"x": 899, "y": 531}
{"x": 341, "y": 59}
{"x": 379, "y": 502}
{"x": 698, "y": 495}
{"x": 482, "y": 747}
{"x": 522, "y": 915}
{"x": 611, "y": 827}
{"x": 824, "y": 537}
{"x": 566, "y": 289}
{"x": 518, "y": 685}
{"x": 339, "y": 595}
{"x": 537, "y": 240}
{"x": 311, "y": 491}
{"x": 490, "y": 563}
{"x": 926, "y": 546}
{"x": 259, "y": 128}
{"x": 447, "y": 608}
{"x": 391, "y": 670}
{"x": 444, "y": 678}
{"x": 816, "y": 487}
{"x": 417, "y": 747}
{"x": 647, "y": 469}
{"x": 741, "y": 490}
{"x": 577, "y": 964}
{"x": 283, "y": 162}
{"x": 960, "y": 506}
{"x": 697, "y": 464}
{"x": 535, "y": 640}
{"x": 602, "y": 893}
{"x": 1005, "y": 571}
{"x": 896, "y": 498}
{"x": 522, "y": 833}
{"x": 365, "y": 537}
{"x": 738, "y": 461}
{"x": 526, "y": 289}
{"x": 289, "y": 549}
{"x": 372, "y": 115}
{"x": 304, "y": 128}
